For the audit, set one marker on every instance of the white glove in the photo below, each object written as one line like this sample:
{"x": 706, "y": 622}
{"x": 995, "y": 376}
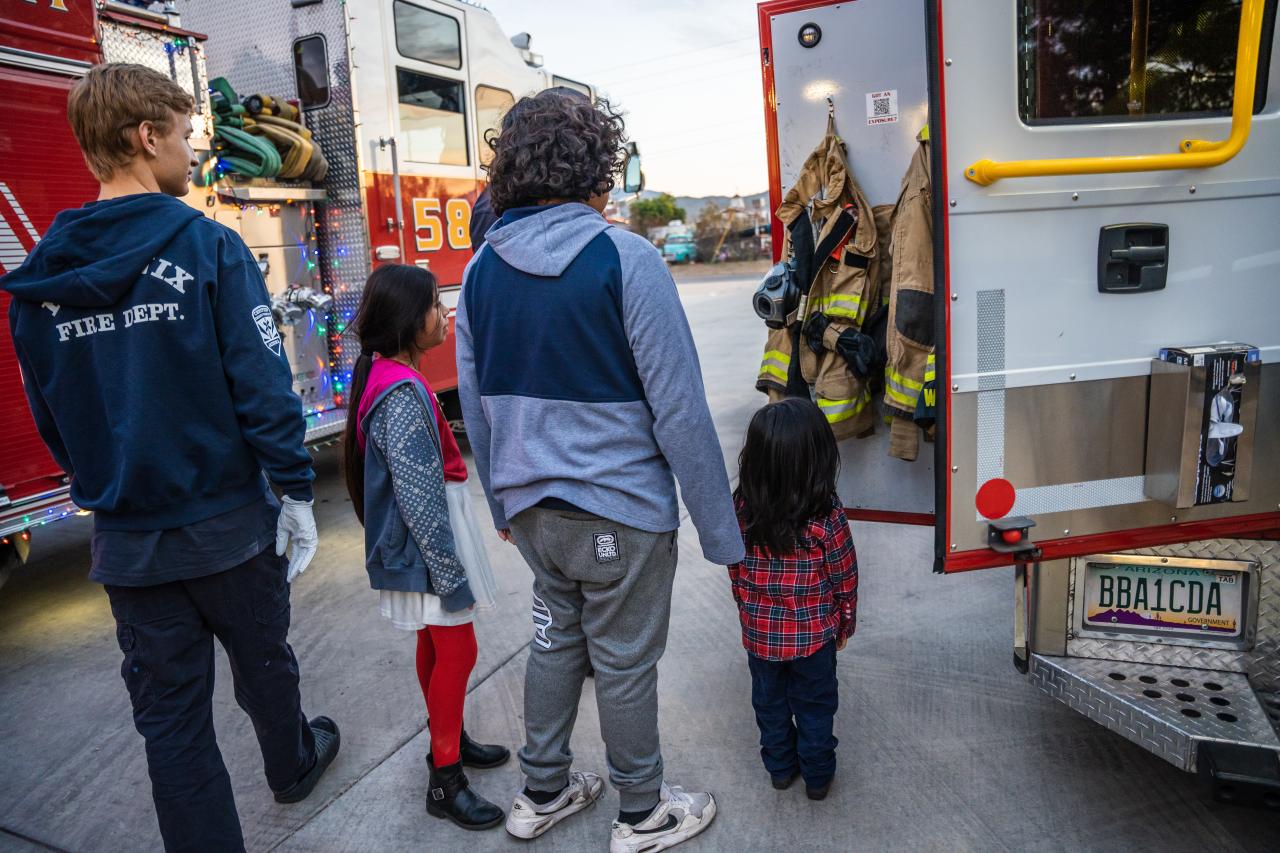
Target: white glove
{"x": 297, "y": 522}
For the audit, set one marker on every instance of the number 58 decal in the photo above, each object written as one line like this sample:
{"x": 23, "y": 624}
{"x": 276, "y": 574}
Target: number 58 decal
{"x": 429, "y": 229}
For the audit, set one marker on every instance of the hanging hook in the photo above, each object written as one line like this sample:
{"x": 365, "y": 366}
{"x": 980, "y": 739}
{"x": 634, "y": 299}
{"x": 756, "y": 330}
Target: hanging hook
{"x": 831, "y": 107}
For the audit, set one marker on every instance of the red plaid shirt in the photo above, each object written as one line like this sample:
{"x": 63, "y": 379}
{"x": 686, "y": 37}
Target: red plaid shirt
{"x": 794, "y": 604}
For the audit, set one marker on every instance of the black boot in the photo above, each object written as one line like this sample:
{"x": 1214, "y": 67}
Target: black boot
{"x": 481, "y": 755}
{"x": 450, "y": 796}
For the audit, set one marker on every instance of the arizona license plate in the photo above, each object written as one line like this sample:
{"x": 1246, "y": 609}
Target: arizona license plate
{"x": 1164, "y": 599}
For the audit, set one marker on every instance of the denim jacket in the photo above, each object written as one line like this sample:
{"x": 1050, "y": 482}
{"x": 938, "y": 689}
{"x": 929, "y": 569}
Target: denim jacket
{"x": 409, "y": 543}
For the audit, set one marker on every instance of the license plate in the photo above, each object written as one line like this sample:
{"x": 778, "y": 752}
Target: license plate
{"x": 1164, "y": 599}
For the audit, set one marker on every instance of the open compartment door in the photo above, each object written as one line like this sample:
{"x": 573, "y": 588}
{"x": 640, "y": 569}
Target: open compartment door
{"x": 1058, "y": 289}
{"x": 870, "y": 59}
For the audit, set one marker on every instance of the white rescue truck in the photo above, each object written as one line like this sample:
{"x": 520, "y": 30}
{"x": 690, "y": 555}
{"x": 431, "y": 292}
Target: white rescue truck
{"x": 1106, "y": 205}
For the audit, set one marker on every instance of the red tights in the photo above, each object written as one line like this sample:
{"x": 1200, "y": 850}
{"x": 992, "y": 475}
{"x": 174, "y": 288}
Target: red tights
{"x": 446, "y": 655}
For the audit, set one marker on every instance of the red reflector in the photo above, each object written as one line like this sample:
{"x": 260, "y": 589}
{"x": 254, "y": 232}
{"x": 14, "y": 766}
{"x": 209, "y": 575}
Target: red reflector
{"x": 995, "y": 498}
{"x": 1011, "y": 536}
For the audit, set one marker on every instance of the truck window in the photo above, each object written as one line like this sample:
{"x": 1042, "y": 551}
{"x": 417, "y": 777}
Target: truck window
{"x": 1102, "y": 60}
{"x": 311, "y": 70}
{"x": 427, "y": 36}
{"x": 432, "y": 118}
{"x": 491, "y": 105}
{"x": 557, "y": 80}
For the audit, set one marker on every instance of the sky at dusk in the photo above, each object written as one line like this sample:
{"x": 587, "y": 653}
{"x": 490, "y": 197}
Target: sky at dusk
{"x": 686, "y": 73}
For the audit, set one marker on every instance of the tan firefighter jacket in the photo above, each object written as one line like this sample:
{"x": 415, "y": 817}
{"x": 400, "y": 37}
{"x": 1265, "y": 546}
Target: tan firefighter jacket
{"x": 846, "y": 287}
{"x": 909, "y": 337}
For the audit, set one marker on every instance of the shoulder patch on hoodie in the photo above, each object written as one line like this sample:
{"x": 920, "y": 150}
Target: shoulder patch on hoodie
{"x": 267, "y": 328}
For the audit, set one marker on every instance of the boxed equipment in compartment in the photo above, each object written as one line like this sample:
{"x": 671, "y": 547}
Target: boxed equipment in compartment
{"x": 1200, "y": 423}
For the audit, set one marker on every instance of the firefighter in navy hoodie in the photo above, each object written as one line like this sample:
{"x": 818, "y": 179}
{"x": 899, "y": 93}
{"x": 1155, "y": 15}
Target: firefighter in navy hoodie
{"x": 155, "y": 374}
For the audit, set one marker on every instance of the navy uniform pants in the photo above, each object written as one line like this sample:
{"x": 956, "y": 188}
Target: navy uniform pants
{"x": 166, "y": 633}
{"x": 795, "y": 703}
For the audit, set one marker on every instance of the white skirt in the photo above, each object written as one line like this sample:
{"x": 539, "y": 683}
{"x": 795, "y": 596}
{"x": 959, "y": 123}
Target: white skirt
{"x": 413, "y": 611}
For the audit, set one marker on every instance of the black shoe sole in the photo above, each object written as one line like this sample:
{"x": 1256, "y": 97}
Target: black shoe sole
{"x": 303, "y": 788}
{"x": 472, "y": 827}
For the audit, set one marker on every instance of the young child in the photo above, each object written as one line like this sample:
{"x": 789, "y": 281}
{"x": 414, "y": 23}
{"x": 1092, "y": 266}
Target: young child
{"x": 423, "y": 550}
{"x": 797, "y": 589}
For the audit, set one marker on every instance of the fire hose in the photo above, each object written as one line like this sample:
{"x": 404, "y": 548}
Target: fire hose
{"x": 259, "y": 137}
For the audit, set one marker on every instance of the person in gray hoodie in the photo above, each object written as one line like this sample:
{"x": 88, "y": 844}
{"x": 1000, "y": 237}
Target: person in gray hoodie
{"x": 582, "y": 396}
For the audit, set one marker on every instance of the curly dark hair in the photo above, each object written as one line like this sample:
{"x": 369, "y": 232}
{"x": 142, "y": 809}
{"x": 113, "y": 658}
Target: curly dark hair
{"x": 555, "y": 144}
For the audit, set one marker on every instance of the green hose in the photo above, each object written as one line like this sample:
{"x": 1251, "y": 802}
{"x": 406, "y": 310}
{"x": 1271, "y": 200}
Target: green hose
{"x": 251, "y": 156}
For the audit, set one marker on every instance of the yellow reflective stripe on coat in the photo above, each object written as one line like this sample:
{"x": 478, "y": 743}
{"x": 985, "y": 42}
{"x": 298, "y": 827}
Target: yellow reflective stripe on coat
{"x": 841, "y": 410}
{"x": 930, "y": 368}
{"x": 838, "y": 305}
{"x": 901, "y": 389}
{"x": 776, "y": 364}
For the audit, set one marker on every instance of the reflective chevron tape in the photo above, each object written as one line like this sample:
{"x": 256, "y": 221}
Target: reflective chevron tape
{"x": 838, "y": 305}
{"x": 775, "y": 364}
{"x": 841, "y": 410}
{"x": 901, "y": 390}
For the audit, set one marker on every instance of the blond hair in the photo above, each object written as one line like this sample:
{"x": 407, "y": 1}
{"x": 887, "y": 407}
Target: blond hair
{"x": 113, "y": 99}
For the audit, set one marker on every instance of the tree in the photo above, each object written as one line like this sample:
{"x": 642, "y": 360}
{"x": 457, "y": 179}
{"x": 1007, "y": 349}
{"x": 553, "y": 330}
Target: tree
{"x": 707, "y": 233}
{"x": 649, "y": 213}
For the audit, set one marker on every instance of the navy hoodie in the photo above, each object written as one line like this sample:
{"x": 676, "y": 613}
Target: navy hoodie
{"x": 153, "y": 366}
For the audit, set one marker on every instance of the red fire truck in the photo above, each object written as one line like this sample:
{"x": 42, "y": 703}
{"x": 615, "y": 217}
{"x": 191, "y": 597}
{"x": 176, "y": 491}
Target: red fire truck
{"x": 397, "y": 94}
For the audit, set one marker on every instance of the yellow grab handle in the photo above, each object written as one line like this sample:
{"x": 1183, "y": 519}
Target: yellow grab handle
{"x": 1192, "y": 153}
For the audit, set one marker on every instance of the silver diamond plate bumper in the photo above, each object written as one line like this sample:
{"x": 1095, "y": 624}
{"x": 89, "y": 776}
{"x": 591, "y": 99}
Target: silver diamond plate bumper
{"x": 1167, "y": 710}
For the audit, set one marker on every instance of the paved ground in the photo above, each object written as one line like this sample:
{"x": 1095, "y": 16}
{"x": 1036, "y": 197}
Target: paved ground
{"x": 943, "y": 746}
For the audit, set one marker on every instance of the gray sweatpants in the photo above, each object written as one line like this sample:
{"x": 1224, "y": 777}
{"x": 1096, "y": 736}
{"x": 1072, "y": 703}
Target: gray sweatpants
{"x": 601, "y": 593}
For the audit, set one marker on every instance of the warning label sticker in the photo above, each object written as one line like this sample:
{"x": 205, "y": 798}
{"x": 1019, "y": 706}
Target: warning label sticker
{"x": 882, "y": 107}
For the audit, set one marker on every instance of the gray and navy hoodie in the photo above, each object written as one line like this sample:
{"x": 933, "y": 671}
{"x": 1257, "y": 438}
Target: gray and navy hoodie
{"x": 579, "y": 380}
{"x": 153, "y": 366}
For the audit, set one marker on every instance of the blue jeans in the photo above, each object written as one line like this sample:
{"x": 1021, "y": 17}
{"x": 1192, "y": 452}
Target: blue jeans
{"x": 795, "y": 703}
{"x": 166, "y": 633}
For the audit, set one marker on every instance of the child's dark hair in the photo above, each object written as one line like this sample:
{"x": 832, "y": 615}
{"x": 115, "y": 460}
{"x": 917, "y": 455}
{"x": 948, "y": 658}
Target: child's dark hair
{"x": 396, "y": 298}
{"x": 786, "y": 473}
{"x": 555, "y": 144}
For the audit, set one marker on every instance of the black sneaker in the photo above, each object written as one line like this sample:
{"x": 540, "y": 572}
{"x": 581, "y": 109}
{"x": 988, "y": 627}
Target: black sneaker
{"x": 328, "y": 739}
{"x": 783, "y": 782}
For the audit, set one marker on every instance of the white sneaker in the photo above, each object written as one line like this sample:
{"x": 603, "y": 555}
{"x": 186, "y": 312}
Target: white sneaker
{"x": 679, "y": 816}
{"x": 529, "y": 820}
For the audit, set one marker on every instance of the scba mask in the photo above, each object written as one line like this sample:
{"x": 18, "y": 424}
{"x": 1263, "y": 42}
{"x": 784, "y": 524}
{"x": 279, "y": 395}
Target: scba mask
{"x": 777, "y": 296}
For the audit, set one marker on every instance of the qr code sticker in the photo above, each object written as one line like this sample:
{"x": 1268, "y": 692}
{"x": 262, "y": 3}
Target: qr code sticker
{"x": 882, "y": 107}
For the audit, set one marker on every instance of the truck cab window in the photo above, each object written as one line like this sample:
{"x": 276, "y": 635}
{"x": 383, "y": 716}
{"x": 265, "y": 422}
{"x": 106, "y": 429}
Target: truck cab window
{"x": 432, "y": 118}
{"x": 311, "y": 70}
{"x": 491, "y": 105}
{"x": 427, "y": 36}
{"x": 1100, "y": 60}
{"x": 557, "y": 80}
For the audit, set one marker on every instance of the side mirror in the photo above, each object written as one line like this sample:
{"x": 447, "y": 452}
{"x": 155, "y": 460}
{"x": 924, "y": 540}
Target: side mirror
{"x": 633, "y": 177}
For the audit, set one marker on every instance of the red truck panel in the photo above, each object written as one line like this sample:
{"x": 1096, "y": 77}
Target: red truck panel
{"x": 66, "y": 29}
{"x": 41, "y": 172}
